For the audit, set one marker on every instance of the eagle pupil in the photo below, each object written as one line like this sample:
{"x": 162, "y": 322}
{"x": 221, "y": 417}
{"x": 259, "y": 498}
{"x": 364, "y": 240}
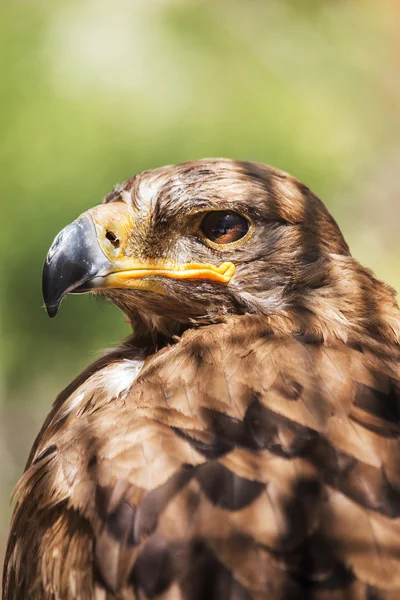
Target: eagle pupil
{"x": 224, "y": 227}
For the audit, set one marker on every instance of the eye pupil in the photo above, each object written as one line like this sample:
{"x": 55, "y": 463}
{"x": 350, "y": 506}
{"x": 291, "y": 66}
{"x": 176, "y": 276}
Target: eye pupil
{"x": 224, "y": 227}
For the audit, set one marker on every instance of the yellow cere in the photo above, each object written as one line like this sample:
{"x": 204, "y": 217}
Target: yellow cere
{"x": 222, "y": 274}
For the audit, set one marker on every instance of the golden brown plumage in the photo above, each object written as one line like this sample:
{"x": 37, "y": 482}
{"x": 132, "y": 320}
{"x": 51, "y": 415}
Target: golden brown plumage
{"x": 255, "y": 453}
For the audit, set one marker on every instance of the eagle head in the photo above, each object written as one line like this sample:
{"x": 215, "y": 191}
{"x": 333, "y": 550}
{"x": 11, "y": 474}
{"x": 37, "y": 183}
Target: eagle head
{"x": 192, "y": 243}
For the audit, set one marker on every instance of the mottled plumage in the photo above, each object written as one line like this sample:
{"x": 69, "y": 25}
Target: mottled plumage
{"x": 243, "y": 444}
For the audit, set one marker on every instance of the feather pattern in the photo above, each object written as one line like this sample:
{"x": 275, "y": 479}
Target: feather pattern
{"x": 279, "y": 480}
{"x": 243, "y": 444}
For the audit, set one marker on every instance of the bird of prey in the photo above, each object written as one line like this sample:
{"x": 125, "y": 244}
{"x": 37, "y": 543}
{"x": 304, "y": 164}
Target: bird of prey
{"x": 243, "y": 443}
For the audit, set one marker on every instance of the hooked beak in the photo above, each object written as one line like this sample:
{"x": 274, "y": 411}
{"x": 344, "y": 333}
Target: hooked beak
{"x": 90, "y": 254}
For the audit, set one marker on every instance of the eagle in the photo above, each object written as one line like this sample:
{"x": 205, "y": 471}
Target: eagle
{"x": 243, "y": 443}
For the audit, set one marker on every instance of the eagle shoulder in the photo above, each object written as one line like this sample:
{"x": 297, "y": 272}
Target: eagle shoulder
{"x": 237, "y": 463}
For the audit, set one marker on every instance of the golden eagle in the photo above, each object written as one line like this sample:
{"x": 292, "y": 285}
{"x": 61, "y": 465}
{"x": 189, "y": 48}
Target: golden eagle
{"x": 243, "y": 443}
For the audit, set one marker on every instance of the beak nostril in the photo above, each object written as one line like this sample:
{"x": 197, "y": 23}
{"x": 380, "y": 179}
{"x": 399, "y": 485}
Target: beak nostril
{"x": 112, "y": 238}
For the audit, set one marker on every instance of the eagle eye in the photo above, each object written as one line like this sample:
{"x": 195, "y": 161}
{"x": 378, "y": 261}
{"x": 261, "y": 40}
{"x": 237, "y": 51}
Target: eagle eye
{"x": 224, "y": 226}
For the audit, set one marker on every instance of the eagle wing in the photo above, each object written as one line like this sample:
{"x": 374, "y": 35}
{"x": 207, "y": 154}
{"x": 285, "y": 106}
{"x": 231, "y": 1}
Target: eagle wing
{"x": 238, "y": 465}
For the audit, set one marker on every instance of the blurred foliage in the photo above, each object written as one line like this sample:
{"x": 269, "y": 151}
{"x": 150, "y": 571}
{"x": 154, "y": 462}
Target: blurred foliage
{"x": 94, "y": 91}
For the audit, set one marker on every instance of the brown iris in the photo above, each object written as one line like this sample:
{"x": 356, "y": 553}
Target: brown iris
{"x": 224, "y": 226}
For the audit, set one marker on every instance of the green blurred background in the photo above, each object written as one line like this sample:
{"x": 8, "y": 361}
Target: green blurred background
{"x": 93, "y": 91}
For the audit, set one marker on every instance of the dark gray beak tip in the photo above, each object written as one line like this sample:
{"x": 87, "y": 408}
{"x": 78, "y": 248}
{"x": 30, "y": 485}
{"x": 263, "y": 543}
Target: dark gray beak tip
{"x": 73, "y": 260}
{"x": 52, "y": 310}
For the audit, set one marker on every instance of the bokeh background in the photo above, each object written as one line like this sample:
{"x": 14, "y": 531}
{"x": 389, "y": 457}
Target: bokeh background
{"x": 93, "y": 91}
